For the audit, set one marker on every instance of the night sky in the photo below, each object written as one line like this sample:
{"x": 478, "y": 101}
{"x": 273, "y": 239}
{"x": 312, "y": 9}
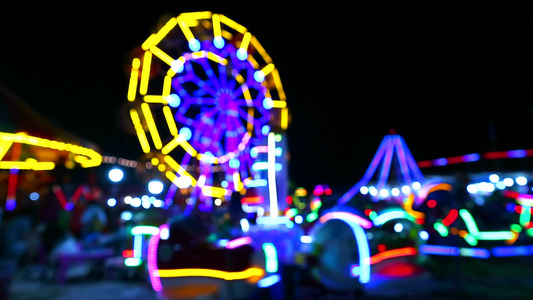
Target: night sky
{"x": 451, "y": 78}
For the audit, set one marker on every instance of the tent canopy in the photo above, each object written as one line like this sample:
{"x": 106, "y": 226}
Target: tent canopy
{"x": 30, "y": 141}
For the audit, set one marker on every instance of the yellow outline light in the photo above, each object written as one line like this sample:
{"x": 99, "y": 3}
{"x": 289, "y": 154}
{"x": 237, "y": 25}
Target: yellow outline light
{"x": 250, "y": 272}
{"x": 85, "y": 156}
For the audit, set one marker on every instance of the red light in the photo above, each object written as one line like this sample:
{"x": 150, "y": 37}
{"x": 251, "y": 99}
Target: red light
{"x": 424, "y": 164}
{"x": 431, "y": 203}
{"x": 252, "y": 200}
{"x": 328, "y": 191}
{"x": 518, "y": 209}
{"x": 288, "y": 199}
{"x": 367, "y": 212}
{"x": 127, "y": 253}
{"x": 400, "y": 269}
{"x": 382, "y": 247}
{"x": 450, "y": 218}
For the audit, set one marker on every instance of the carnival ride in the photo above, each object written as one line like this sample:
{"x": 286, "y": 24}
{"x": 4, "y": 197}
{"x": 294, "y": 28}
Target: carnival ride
{"x": 32, "y": 144}
{"x": 214, "y": 108}
{"x": 209, "y": 111}
{"x": 368, "y": 226}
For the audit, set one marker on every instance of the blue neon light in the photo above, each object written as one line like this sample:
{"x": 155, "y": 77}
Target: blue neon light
{"x": 194, "y": 45}
{"x": 269, "y": 281}
{"x": 512, "y": 251}
{"x": 218, "y": 41}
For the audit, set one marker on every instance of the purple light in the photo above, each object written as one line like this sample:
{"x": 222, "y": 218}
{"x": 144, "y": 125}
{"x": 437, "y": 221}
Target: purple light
{"x": 440, "y": 162}
{"x": 516, "y": 153}
{"x": 439, "y": 250}
{"x": 153, "y": 271}
{"x": 471, "y": 157}
{"x": 408, "y": 167}
{"x": 512, "y": 251}
{"x": 11, "y": 204}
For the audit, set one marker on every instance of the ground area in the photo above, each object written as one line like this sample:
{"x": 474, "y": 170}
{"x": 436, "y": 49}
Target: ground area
{"x": 452, "y": 278}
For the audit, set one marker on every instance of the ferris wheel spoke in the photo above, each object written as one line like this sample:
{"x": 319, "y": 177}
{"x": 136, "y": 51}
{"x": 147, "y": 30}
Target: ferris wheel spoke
{"x": 210, "y": 73}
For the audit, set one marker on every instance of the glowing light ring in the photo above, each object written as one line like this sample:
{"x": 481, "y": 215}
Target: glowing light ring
{"x": 362, "y": 244}
{"x": 152, "y": 258}
{"x": 388, "y": 215}
{"x": 220, "y": 102}
{"x": 86, "y": 157}
{"x": 215, "y": 101}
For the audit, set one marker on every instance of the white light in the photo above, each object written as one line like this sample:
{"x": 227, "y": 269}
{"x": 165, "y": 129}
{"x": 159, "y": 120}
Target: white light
{"x": 218, "y": 202}
{"x": 373, "y": 191}
{"x": 424, "y": 235}
{"x": 136, "y": 202}
{"x": 500, "y": 185}
{"x": 494, "y": 178}
{"x": 508, "y": 181}
{"x": 145, "y": 203}
{"x": 34, "y": 196}
{"x": 158, "y": 203}
{"x": 416, "y": 185}
{"x": 364, "y": 190}
{"x": 126, "y": 215}
{"x": 306, "y": 239}
{"x": 521, "y": 180}
{"x": 155, "y": 187}
{"x": 127, "y": 199}
{"x": 384, "y": 193}
{"x": 398, "y": 227}
{"x": 183, "y": 182}
{"x": 486, "y": 187}
{"x": 245, "y": 225}
{"x": 177, "y": 66}
{"x": 298, "y": 219}
{"x": 395, "y": 192}
{"x": 406, "y": 189}
{"x": 111, "y": 202}
{"x": 472, "y": 188}
{"x": 115, "y": 175}
{"x": 164, "y": 233}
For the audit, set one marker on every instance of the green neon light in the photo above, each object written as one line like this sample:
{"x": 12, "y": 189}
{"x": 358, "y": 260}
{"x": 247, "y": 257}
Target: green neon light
{"x": 469, "y": 221}
{"x": 311, "y": 217}
{"x": 495, "y": 235}
{"x": 486, "y": 235}
{"x": 525, "y": 216}
{"x": 470, "y": 239}
{"x": 390, "y": 215}
{"x": 441, "y": 229}
{"x": 516, "y": 227}
{"x": 132, "y": 262}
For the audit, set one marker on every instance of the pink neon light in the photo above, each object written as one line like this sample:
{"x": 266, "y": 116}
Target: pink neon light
{"x": 153, "y": 271}
{"x": 346, "y": 216}
{"x": 245, "y": 240}
{"x": 261, "y": 149}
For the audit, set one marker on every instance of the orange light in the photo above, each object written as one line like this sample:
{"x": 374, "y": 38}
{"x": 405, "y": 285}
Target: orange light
{"x": 391, "y": 254}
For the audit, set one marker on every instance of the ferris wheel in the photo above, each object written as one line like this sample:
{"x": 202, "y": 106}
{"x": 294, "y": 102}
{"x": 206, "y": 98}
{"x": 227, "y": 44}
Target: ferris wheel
{"x": 210, "y": 98}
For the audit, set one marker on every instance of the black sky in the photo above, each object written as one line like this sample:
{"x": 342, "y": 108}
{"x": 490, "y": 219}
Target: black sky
{"x": 447, "y": 75}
